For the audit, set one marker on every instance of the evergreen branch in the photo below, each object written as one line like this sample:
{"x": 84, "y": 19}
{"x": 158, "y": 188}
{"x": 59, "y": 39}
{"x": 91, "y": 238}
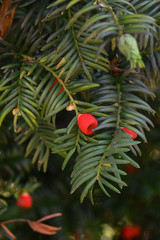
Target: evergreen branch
{"x": 147, "y": 7}
{"x": 74, "y": 53}
{"x": 105, "y": 5}
{"x": 61, "y": 82}
{"x": 99, "y": 160}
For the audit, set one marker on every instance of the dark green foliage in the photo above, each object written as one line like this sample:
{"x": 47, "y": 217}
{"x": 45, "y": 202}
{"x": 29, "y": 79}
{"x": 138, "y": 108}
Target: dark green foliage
{"x": 76, "y": 42}
{"x": 14, "y": 170}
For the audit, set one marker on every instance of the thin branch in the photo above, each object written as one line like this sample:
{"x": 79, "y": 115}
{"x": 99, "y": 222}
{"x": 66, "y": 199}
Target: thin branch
{"x": 8, "y": 231}
{"x": 49, "y": 216}
{"x": 119, "y": 104}
{"x": 115, "y": 18}
{"x": 75, "y": 39}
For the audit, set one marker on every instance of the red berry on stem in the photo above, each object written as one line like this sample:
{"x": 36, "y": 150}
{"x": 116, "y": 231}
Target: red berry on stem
{"x": 24, "y": 200}
{"x": 56, "y": 80}
{"x": 133, "y": 134}
{"x": 86, "y": 123}
{"x": 130, "y": 232}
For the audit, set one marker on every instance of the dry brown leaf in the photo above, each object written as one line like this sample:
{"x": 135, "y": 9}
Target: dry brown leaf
{"x": 6, "y": 19}
{"x": 114, "y": 67}
{"x": 70, "y": 107}
{"x": 38, "y": 228}
{"x": 8, "y": 231}
{"x": 49, "y": 227}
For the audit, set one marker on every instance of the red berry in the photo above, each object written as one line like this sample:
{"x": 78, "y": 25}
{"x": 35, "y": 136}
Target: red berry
{"x": 24, "y": 200}
{"x": 56, "y": 80}
{"x": 130, "y": 232}
{"x": 130, "y": 169}
{"x": 86, "y": 123}
{"x": 77, "y": 235}
{"x": 133, "y": 134}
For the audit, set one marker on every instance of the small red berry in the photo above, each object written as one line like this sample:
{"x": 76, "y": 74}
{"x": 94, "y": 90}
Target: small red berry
{"x": 86, "y": 123}
{"x": 56, "y": 80}
{"x": 78, "y": 234}
{"x": 24, "y": 200}
{"x": 133, "y": 134}
{"x": 130, "y": 169}
{"x": 130, "y": 232}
